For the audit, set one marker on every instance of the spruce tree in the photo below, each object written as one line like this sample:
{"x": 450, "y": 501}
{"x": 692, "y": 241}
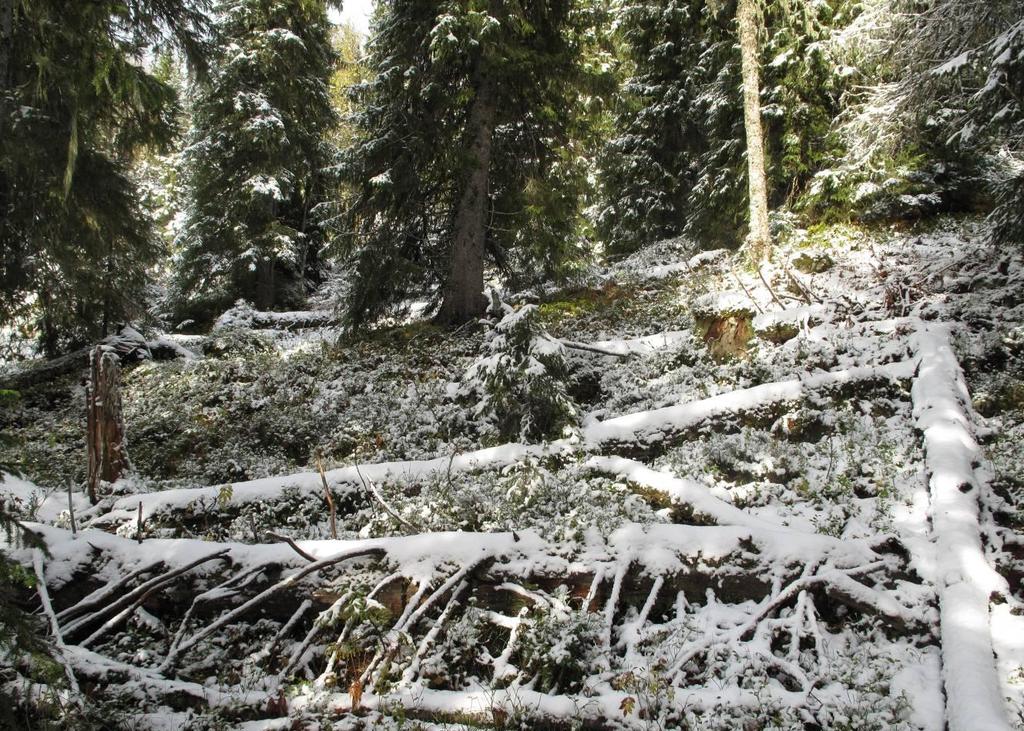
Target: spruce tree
{"x": 257, "y": 161}
{"x": 646, "y": 168}
{"x": 949, "y": 93}
{"x": 468, "y": 151}
{"x": 75, "y": 105}
{"x": 676, "y": 162}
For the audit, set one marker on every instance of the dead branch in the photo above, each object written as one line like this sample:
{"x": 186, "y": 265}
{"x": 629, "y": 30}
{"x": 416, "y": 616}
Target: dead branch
{"x": 216, "y": 592}
{"x": 263, "y": 596}
{"x": 808, "y": 296}
{"x": 58, "y": 638}
{"x": 292, "y": 544}
{"x": 413, "y": 669}
{"x": 768, "y": 605}
{"x": 330, "y": 498}
{"x": 99, "y": 596}
{"x": 368, "y": 486}
{"x": 145, "y": 589}
{"x": 769, "y": 287}
{"x": 586, "y": 347}
{"x": 747, "y": 292}
{"x": 71, "y": 510}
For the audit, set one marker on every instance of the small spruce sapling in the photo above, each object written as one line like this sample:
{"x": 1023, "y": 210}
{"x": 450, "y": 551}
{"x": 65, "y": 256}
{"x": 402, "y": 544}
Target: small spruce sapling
{"x": 519, "y": 386}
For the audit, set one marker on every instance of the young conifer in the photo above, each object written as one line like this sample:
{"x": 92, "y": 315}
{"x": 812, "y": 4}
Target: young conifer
{"x": 257, "y": 160}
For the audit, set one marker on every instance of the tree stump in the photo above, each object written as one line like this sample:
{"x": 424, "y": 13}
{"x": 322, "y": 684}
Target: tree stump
{"x": 105, "y": 443}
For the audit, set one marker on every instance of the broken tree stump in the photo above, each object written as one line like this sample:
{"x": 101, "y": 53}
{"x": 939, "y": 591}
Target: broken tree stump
{"x": 105, "y": 440}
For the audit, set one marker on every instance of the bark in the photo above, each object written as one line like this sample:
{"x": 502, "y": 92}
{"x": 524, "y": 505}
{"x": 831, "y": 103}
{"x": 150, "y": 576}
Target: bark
{"x": 463, "y": 295}
{"x": 6, "y": 51}
{"x": 265, "y": 284}
{"x": 6, "y": 41}
{"x": 758, "y": 239}
{"x": 108, "y": 456}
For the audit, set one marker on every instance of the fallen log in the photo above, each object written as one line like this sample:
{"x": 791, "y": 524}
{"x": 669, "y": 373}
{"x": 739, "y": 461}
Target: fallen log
{"x": 129, "y": 345}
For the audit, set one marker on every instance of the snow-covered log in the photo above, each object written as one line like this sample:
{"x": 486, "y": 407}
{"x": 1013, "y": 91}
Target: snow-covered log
{"x": 636, "y": 432}
{"x": 965, "y": 580}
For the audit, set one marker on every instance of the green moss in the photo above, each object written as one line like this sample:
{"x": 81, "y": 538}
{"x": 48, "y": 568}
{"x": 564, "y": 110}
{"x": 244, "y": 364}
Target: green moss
{"x": 813, "y": 262}
{"x": 582, "y": 301}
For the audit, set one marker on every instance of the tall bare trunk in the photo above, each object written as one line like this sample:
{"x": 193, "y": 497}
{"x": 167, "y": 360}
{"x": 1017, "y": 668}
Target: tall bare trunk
{"x": 464, "y": 291}
{"x": 108, "y": 455}
{"x": 758, "y": 238}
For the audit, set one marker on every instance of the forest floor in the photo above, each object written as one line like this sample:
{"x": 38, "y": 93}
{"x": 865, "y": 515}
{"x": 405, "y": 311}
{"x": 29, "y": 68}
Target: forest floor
{"x": 787, "y": 498}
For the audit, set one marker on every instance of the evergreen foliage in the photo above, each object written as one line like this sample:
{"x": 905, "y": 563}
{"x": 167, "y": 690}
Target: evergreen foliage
{"x": 519, "y": 387}
{"x": 256, "y": 164}
{"x": 409, "y": 165}
{"x": 940, "y": 126}
{"x": 964, "y": 82}
{"x": 75, "y": 103}
{"x": 676, "y": 161}
{"x": 19, "y": 630}
{"x": 646, "y": 171}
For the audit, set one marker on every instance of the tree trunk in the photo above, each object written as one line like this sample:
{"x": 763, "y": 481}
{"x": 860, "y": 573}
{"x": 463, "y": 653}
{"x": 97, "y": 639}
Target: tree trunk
{"x": 464, "y": 291}
{"x": 6, "y": 48}
{"x": 758, "y": 238}
{"x": 265, "y": 284}
{"x": 108, "y": 456}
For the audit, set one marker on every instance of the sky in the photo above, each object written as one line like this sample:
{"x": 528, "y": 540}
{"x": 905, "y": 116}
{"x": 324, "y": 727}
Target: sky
{"x": 356, "y": 12}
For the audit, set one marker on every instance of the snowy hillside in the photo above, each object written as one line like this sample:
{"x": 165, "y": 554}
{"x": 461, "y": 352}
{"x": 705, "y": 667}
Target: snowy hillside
{"x": 684, "y": 493}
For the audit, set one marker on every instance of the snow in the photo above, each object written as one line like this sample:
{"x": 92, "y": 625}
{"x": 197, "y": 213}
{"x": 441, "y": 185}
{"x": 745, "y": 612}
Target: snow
{"x": 754, "y": 639}
{"x": 646, "y": 425}
{"x": 126, "y": 509}
{"x": 803, "y": 316}
{"x": 965, "y": 578}
{"x": 644, "y": 345}
{"x": 46, "y": 506}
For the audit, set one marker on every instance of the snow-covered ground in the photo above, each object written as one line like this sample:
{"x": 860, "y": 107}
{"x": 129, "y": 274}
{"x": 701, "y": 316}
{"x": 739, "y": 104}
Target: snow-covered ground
{"x": 821, "y": 532}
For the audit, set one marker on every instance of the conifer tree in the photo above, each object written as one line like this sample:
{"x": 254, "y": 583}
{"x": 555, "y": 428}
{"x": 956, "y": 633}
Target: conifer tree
{"x": 949, "y": 89}
{"x": 256, "y": 163}
{"x": 468, "y": 150}
{"x": 646, "y": 169}
{"x": 75, "y": 104}
{"x": 676, "y": 162}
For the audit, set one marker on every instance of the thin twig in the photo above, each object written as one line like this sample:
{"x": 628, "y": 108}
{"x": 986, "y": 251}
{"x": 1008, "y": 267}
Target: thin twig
{"x": 808, "y": 295}
{"x": 368, "y": 486}
{"x": 294, "y": 546}
{"x": 747, "y": 292}
{"x": 770, "y": 290}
